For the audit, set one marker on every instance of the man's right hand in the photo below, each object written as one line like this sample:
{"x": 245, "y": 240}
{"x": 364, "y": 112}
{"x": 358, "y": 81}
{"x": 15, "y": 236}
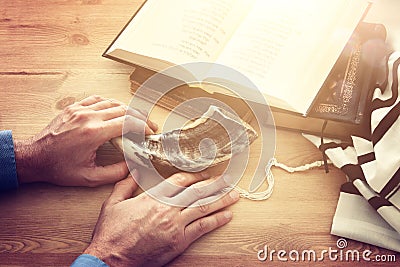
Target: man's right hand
{"x": 142, "y": 231}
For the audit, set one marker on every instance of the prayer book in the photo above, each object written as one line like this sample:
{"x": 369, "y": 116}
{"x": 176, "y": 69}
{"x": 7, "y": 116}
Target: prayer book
{"x": 304, "y": 56}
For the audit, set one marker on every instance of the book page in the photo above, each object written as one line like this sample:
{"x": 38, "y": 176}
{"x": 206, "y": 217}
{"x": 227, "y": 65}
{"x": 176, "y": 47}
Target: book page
{"x": 288, "y": 47}
{"x": 181, "y": 31}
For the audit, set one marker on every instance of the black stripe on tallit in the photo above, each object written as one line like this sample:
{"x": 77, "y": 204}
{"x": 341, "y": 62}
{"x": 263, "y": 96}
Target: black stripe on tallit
{"x": 385, "y": 124}
{"x": 349, "y": 188}
{"x": 379, "y": 103}
{"x": 393, "y": 192}
{"x": 378, "y": 202}
{"x": 330, "y": 145}
{"x": 362, "y": 159}
{"x": 353, "y": 172}
{"x": 391, "y": 185}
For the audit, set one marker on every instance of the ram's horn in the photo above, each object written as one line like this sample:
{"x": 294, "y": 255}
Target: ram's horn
{"x": 205, "y": 142}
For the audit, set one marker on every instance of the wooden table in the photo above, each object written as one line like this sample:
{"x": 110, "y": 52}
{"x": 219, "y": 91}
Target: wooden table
{"x": 50, "y": 52}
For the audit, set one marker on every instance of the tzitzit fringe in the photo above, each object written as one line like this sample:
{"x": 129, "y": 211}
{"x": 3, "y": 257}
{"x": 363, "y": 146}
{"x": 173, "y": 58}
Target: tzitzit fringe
{"x": 270, "y": 178}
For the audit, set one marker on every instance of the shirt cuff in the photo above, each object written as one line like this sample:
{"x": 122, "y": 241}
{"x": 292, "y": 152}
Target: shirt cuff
{"x": 87, "y": 260}
{"x": 8, "y": 170}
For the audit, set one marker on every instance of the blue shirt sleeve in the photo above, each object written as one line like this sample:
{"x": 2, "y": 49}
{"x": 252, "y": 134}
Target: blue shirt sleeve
{"x": 8, "y": 170}
{"x": 87, "y": 260}
{"x": 9, "y": 180}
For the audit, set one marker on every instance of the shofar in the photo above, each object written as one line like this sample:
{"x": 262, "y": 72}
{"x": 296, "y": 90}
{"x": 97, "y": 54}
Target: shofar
{"x": 205, "y": 142}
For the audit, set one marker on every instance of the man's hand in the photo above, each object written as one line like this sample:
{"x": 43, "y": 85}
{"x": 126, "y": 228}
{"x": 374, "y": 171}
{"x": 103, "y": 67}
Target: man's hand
{"x": 64, "y": 152}
{"x": 142, "y": 231}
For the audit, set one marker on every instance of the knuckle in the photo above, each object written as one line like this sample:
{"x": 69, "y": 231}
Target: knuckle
{"x": 201, "y": 176}
{"x": 89, "y": 131}
{"x": 226, "y": 200}
{"x": 217, "y": 220}
{"x": 162, "y": 210}
{"x": 167, "y": 222}
{"x": 175, "y": 243}
{"x": 179, "y": 179}
{"x": 204, "y": 208}
{"x": 98, "y": 97}
{"x": 77, "y": 115}
{"x": 89, "y": 182}
{"x": 70, "y": 109}
{"x": 123, "y": 108}
{"x": 203, "y": 226}
{"x": 199, "y": 192}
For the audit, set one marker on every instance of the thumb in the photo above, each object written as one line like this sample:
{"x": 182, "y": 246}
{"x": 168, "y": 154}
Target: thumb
{"x": 124, "y": 189}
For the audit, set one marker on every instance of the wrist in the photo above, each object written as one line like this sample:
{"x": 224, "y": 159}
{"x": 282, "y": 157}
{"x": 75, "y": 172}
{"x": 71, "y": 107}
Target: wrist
{"x": 26, "y": 162}
{"x": 108, "y": 257}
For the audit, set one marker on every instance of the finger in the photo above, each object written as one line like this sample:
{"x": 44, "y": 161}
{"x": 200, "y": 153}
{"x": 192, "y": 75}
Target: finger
{"x": 138, "y": 114}
{"x": 122, "y": 110}
{"x": 206, "y": 224}
{"x": 124, "y": 189}
{"x": 152, "y": 125}
{"x": 208, "y": 205}
{"x": 199, "y": 191}
{"x": 90, "y": 100}
{"x": 100, "y": 175}
{"x": 113, "y": 112}
{"x": 112, "y": 128}
{"x": 119, "y": 126}
{"x": 177, "y": 183}
{"x": 105, "y": 104}
{"x": 145, "y": 114}
{"x": 135, "y": 125}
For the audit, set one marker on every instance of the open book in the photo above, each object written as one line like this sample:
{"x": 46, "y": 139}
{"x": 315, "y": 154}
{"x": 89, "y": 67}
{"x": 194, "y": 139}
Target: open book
{"x": 286, "y": 47}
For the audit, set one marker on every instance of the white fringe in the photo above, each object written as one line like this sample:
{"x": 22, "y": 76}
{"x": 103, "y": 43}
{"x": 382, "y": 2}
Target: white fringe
{"x": 258, "y": 196}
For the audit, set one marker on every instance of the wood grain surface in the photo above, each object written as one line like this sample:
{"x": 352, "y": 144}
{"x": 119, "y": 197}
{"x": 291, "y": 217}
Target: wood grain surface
{"x": 50, "y": 52}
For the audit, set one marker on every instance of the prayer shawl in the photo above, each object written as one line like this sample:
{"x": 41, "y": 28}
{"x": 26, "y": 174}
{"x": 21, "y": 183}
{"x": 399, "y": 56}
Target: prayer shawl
{"x": 368, "y": 209}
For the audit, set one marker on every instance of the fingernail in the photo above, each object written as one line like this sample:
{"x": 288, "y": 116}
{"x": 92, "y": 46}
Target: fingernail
{"x": 228, "y": 214}
{"x": 234, "y": 195}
